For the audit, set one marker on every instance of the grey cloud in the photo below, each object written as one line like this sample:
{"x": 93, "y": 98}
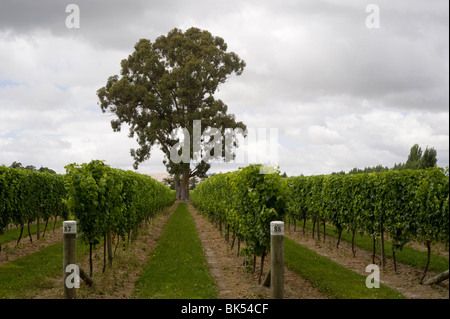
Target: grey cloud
{"x": 311, "y": 65}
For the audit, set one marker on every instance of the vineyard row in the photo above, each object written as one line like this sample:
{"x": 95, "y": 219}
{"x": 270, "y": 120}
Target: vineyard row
{"x": 103, "y": 200}
{"x": 408, "y": 205}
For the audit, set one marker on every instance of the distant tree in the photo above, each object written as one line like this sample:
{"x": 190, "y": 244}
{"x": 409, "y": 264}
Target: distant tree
{"x": 414, "y": 157}
{"x": 429, "y": 158}
{"x": 416, "y": 160}
{"x": 169, "y": 182}
{"x": 32, "y": 167}
{"x": 374, "y": 169}
{"x": 399, "y": 166}
{"x": 193, "y": 183}
{"x": 16, "y": 165}
{"x": 46, "y": 169}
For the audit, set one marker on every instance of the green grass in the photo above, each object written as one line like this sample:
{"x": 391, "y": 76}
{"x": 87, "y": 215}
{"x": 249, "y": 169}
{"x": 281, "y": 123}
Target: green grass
{"x": 177, "y": 268}
{"x": 407, "y": 256}
{"x": 26, "y": 276}
{"x": 13, "y": 234}
{"x": 330, "y": 278}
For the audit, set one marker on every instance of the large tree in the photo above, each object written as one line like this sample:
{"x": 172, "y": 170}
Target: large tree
{"x": 167, "y": 85}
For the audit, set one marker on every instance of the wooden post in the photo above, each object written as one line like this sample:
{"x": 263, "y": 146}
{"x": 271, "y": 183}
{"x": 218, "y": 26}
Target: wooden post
{"x": 277, "y": 260}
{"x": 70, "y": 268}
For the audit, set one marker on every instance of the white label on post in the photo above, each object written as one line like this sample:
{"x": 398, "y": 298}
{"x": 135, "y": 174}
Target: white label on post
{"x": 70, "y": 227}
{"x": 276, "y": 228}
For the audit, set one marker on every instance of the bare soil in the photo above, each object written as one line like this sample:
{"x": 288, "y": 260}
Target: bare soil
{"x": 118, "y": 281}
{"x": 233, "y": 279}
{"x": 11, "y": 251}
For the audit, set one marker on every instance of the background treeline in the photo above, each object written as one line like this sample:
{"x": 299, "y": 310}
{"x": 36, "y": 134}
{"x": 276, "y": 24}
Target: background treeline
{"x": 31, "y": 167}
{"x": 416, "y": 160}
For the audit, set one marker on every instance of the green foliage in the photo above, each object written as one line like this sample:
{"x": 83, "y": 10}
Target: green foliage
{"x": 247, "y": 201}
{"x": 431, "y": 206}
{"x": 26, "y": 195}
{"x": 408, "y": 204}
{"x": 104, "y": 199}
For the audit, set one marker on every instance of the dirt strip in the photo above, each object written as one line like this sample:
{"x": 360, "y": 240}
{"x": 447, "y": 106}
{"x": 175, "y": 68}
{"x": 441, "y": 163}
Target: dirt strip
{"x": 406, "y": 280}
{"x": 233, "y": 280}
{"x": 11, "y": 251}
{"x": 117, "y": 282}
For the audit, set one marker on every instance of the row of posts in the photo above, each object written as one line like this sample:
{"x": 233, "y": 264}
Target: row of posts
{"x": 72, "y": 271}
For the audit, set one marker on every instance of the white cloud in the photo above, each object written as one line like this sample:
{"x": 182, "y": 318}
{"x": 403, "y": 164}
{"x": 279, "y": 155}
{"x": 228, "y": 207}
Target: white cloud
{"x": 340, "y": 95}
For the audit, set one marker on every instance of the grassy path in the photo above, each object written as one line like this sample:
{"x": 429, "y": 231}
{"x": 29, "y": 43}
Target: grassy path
{"x": 330, "y": 278}
{"x": 26, "y": 276}
{"x": 177, "y": 268}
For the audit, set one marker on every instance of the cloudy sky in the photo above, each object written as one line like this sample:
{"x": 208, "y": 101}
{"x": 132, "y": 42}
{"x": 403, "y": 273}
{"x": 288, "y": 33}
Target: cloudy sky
{"x": 340, "y": 94}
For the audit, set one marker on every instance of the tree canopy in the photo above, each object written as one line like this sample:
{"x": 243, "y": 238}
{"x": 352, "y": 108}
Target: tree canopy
{"x": 167, "y": 85}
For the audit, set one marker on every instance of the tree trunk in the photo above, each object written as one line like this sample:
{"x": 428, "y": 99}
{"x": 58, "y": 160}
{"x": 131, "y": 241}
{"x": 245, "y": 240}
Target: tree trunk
{"x": 339, "y": 238}
{"x": 38, "y": 233}
{"x": 29, "y": 233}
{"x": 324, "y": 231}
{"x": 109, "y": 243}
{"x": 314, "y": 227}
{"x": 54, "y": 224}
{"x": 239, "y": 246}
{"x": 304, "y": 225}
{"x": 117, "y": 244}
{"x": 86, "y": 278}
{"x": 318, "y": 229}
{"x": 428, "y": 261}
{"x": 177, "y": 183}
{"x": 437, "y": 279}
{"x": 104, "y": 253}
{"x": 374, "y": 249}
{"x": 185, "y": 185}
{"x": 262, "y": 266}
{"x": 266, "y": 282}
{"x": 383, "y": 257}
{"x": 393, "y": 257}
{"x": 90, "y": 260}
{"x": 45, "y": 228}
{"x": 20, "y": 235}
{"x": 353, "y": 243}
